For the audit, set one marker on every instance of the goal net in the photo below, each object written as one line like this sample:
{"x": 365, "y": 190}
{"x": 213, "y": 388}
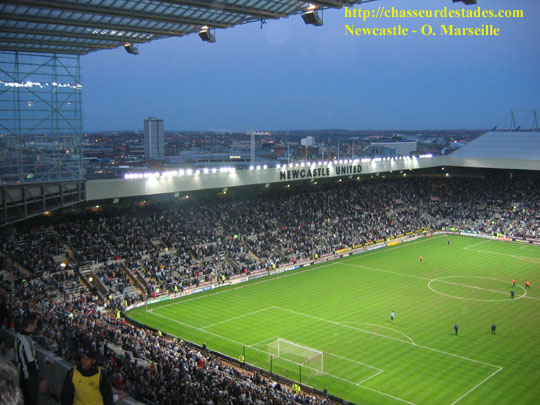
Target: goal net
{"x": 298, "y": 354}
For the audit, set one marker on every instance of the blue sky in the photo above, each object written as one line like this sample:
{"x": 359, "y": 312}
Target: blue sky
{"x": 291, "y": 76}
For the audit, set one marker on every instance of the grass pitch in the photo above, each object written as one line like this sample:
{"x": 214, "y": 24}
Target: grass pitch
{"x": 342, "y": 309}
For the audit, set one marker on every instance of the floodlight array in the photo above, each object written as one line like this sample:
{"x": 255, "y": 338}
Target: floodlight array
{"x": 30, "y": 84}
{"x": 177, "y": 173}
{"x": 284, "y": 166}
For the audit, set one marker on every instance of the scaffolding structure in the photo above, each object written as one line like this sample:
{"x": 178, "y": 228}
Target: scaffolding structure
{"x": 40, "y": 118}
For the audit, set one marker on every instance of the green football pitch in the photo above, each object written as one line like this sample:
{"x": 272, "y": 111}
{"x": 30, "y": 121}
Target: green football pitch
{"x": 329, "y": 325}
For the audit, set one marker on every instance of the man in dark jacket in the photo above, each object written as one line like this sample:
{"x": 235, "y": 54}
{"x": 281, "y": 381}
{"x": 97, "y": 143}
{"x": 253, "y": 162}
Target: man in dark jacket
{"x": 87, "y": 383}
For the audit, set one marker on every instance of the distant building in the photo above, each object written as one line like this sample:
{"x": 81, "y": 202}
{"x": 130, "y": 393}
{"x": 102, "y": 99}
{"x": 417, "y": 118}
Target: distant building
{"x": 383, "y": 149}
{"x": 154, "y": 139}
{"x": 307, "y": 141}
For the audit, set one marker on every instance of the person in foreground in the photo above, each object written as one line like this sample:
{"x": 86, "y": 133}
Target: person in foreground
{"x": 87, "y": 383}
{"x": 9, "y": 384}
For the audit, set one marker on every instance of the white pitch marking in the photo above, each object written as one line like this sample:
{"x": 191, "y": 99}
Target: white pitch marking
{"x": 523, "y": 258}
{"x": 385, "y": 327}
{"x": 524, "y": 295}
{"x": 388, "y": 271}
{"x": 265, "y": 341}
{"x": 476, "y": 386}
{"x": 353, "y": 361}
{"x": 471, "y": 286}
{"x": 387, "y": 395}
{"x": 475, "y": 244}
{"x": 369, "y": 378}
{"x": 341, "y": 324}
{"x": 442, "y": 281}
{"x": 236, "y": 317}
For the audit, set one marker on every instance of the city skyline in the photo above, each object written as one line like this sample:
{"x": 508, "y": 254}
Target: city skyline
{"x": 291, "y": 76}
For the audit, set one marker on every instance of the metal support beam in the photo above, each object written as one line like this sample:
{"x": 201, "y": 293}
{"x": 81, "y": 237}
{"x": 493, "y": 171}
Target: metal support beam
{"x": 76, "y": 51}
{"x": 247, "y": 11}
{"x": 59, "y": 43}
{"x": 90, "y": 24}
{"x": 78, "y": 35}
{"x": 110, "y": 11}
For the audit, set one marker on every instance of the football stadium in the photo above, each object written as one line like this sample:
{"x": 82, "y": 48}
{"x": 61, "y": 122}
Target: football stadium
{"x": 354, "y": 280}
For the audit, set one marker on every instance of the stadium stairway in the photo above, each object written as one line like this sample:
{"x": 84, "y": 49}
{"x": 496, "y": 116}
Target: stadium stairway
{"x": 70, "y": 253}
{"x": 15, "y": 264}
{"x": 280, "y": 254}
{"x": 254, "y": 256}
{"x": 140, "y": 277}
{"x": 135, "y": 279}
{"x": 235, "y": 266}
{"x": 96, "y": 282}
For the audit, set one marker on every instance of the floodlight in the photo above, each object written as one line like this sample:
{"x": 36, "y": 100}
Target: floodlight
{"x": 206, "y": 35}
{"x": 312, "y": 17}
{"x": 467, "y": 2}
{"x": 130, "y": 48}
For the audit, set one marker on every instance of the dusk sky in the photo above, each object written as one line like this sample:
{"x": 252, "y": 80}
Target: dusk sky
{"x": 289, "y": 75}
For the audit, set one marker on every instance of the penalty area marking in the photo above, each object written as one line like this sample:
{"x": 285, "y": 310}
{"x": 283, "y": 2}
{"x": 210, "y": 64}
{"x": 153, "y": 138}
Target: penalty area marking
{"x": 236, "y": 317}
{"x": 523, "y": 258}
{"x": 440, "y": 279}
{"x": 499, "y": 368}
{"x": 476, "y": 386}
{"x": 359, "y": 384}
{"x": 265, "y": 341}
{"x": 381, "y": 326}
{"x": 475, "y": 244}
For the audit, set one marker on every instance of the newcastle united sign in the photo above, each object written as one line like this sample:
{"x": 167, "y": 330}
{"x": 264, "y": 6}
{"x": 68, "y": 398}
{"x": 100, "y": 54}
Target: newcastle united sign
{"x": 317, "y": 172}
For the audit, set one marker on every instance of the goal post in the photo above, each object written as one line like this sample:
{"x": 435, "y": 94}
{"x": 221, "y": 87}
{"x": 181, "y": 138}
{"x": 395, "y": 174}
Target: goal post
{"x": 299, "y": 354}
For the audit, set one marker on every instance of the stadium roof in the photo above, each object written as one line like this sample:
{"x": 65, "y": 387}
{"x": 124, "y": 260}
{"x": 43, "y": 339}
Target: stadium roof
{"x": 83, "y": 26}
{"x": 516, "y": 145}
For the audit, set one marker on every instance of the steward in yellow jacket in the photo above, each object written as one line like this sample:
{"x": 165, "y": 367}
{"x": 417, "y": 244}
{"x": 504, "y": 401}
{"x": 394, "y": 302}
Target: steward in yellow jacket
{"x": 87, "y": 384}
